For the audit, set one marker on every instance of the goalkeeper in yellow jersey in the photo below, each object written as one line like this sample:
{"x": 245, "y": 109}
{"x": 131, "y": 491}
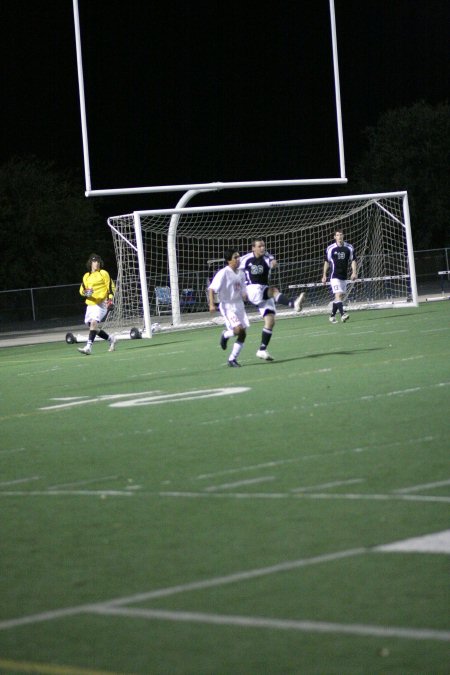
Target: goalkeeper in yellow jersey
{"x": 98, "y": 289}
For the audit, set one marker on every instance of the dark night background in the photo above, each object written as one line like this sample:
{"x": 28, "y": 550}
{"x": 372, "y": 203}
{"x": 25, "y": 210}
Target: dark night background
{"x": 212, "y": 91}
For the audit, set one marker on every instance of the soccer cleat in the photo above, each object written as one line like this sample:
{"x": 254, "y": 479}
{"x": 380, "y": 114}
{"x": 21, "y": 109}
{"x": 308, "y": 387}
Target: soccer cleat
{"x": 264, "y": 354}
{"x": 112, "y": 343}
{"x": 85, "y": 350}
{"x": 233, "y": 363}
{"x": 298, "y": 304}
{"x": 223, "y": 340}
{"x": 332, "y": 319}
{"x": 344, "y": 318}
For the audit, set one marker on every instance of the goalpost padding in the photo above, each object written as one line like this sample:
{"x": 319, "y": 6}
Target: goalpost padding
{"x": 183, "y": 248}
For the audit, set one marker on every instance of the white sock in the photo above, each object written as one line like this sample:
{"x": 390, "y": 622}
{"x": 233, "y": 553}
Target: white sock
{"x": 236, "y": 350}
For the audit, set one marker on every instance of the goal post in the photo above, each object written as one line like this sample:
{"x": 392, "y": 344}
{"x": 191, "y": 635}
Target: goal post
{"x": 167, "y": 257}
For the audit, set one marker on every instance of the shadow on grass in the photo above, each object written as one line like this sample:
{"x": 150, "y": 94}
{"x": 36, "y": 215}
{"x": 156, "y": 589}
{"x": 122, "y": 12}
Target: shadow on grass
{"x": 340, "y": 352}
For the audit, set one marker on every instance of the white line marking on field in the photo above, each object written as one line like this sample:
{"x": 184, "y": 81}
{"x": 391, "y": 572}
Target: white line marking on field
{"x": 318, "y": 455}
{"x": 392, "y": 332}
{"x": 251, "y": 467}
{"x": 382, "y": 497}
{"x": 323, "y": 486}
{"x": 279, "y": 624}
{"x": 82, "y": 482}
{"x": 182, "y": 588}
{"x": 19, "y": 480}
{"x": 302, "y": 495}
{"x": 424, "y": 486}
{"x": 250, "y": 481}
{"x": 70, "y": 401}
{"x": 147, "y": 398}
{"x": 65, "y": 493}
{"x": 11, "y": 451}
{"x": 236, "y": 577}
{"x": 439, "y": 542}
{"x": 116, "y": 606}
{"x": 400, "y": 392}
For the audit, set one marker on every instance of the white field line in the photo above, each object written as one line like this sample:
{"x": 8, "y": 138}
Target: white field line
{"x": 413, "y": 358}
{"x": 182, "y": 588}
{"x": 179, "y": 494}
{"x": 250, "y": 481}
{"x": 251, "y": 467}
{"x": 424, "y": 486}
{"x": 324, "y": 486}
{"x": 435, "y": 330}
{"x": 393, "y": 332}
{"x": 19, "y": 480}
{"x": 82, "y": 482}
{"x": 438, "y": 543}
{"x": 317, "y": 455}
{"x": 342, "y": 402}
{"x": 280, "y": 624}
{"x": 66, "y": 493}
{"x": 301, "y": 495}
{"x": 11, "y": 451}
{"x": 115, "y": 608}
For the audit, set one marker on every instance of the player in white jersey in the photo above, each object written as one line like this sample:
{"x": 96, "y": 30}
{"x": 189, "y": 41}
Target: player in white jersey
{"x": 229, "y": 285}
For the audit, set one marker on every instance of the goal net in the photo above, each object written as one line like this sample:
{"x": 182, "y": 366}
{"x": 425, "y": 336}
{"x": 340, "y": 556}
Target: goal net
{"x": 166, "y": 258}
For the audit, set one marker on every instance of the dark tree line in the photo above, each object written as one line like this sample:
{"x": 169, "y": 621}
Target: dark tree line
{"x": 409, "y": 149}
{"x": 48, "y": 227}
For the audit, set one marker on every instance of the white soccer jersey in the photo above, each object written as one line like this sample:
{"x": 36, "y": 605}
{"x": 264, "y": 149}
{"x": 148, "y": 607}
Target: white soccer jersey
{"x": 229, "y": 285}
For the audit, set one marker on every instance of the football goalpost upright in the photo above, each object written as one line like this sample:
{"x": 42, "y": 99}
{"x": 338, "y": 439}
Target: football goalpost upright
{"x": 167, "y": 257}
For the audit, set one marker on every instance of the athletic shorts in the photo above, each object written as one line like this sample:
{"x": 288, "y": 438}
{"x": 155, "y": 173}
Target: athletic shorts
{"x": 95, "y": 312}
{"x": 234, "y": 315}
{"x": 255, "y": 293}
{"x": 338, "y": 285}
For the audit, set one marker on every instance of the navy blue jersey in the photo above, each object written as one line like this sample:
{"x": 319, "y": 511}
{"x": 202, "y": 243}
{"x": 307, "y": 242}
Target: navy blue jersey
{"x": 339, "y": 258}
{"x": 256, "y": 270}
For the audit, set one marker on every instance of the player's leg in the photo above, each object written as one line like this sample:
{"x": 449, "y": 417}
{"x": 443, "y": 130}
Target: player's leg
{"x": 283, "y": 299}
{"x": 241, "y": 334}
{"x": 266, "y": 335}
{"x": 236, "y": 322}
{"x": 338, "y": 287}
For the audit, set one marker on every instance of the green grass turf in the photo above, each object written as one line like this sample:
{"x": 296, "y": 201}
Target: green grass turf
{"x": 102, "y": 500}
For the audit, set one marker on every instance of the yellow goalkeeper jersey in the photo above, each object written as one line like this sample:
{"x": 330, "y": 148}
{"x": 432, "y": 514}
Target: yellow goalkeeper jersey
{"x": 102, "y": 285}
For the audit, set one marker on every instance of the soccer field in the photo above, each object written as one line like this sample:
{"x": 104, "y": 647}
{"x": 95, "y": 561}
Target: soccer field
{"x": 165, "y": 514}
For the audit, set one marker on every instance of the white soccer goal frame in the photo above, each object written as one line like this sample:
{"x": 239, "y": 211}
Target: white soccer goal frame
{"x": 403, "y": 280}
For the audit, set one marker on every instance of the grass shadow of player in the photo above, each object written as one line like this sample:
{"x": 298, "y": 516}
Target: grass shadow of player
{"x": 337, "y": 352}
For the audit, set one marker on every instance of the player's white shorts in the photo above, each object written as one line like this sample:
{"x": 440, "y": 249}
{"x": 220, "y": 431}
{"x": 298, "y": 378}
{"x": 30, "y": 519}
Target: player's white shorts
{"x": 234, "y": 315}
{"x": 338, "y": 285}
{"x": 255, "y": 293}
{"x": 95, "y": 312}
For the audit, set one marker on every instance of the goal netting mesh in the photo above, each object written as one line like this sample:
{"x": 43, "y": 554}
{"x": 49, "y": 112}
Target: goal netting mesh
{"x": 166, "y": 258}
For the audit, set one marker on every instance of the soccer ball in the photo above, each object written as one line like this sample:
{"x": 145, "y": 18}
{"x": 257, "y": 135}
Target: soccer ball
{"x": 135, "y": 334}
{"x": 156, "y": 327}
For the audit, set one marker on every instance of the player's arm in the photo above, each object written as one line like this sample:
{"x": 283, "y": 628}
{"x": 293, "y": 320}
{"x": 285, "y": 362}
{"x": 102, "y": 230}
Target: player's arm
{"x": 212, "y": 304}
{"x": 354, "y": 270}
{"x": 112, "y": 289}
{"x": 326, "y": 266}
{"x": 272, "y": 261}
{"x": 84, "y": 290}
